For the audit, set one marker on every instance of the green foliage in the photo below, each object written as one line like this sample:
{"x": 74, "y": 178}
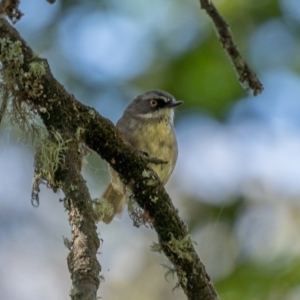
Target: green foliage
{"x": 211, "y": 83}
{"x": 261, "y": 282}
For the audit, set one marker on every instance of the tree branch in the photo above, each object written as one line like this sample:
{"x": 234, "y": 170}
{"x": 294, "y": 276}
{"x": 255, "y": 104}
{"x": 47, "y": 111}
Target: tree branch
{"x": 247, "y": 77}
{"x": 59, "y": 111}
{"x": 30, "y": 85}
{"x": 82, "y": 261}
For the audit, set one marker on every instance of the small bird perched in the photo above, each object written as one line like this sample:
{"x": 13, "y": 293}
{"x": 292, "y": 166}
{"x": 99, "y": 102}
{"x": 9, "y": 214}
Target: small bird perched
{"x": 147, "y": 125}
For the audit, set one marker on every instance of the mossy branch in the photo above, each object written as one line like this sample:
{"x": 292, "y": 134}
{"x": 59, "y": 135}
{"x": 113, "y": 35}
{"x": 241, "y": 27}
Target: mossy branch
{"x": 82, "y": 261}
{"x": 32, "y": 92}
{"x": 62, "y": 113}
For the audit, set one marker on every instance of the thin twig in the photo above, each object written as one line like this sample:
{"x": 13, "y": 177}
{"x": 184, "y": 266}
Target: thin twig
{"x": 82, "y": 260}
{"x": 246, "y": 76}
{"x": 11, "y": 9}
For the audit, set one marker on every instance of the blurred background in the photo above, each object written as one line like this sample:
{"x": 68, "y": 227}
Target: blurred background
{"x": 237, "y": 180}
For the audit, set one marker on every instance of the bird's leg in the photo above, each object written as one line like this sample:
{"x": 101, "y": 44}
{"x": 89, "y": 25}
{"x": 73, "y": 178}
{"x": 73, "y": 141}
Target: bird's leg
{"x": 153, "y": 160}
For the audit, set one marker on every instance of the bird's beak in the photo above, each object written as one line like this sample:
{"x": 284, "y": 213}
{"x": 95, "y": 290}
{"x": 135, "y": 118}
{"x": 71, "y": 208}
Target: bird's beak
{"x": 174, "y": 103}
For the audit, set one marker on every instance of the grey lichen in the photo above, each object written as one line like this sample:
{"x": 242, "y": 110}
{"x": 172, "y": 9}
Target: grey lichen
{"x": 14, "y": 79}
{"x": 156, "y": 247}
{"x": 92, "y": 112}
{"x": 68, "y": 244}
{"x": 102, "y": 208}
{"x": 77, "y": 221}
{"x": 74, "y": 292}
{"x": 146, "y": 174}
{"x": 73, "y": 187}
{"x": 182, "y": 279}
{"x": 79, "y": 133}
{"x": 37, "y": 68}
{"x": 49, "y": 157}
{"x": 154, "y": 198}
{"x": 11, "y": 53}
{"x": 181, "y": 247}
{"x": 20, "y": 115}
{"x": 171, "y": 271}
{"x": 31, "y": 79}
{"x": 12, "y": 60}
{"x": 101, "y": 278}
{"x": 138, "y": 215}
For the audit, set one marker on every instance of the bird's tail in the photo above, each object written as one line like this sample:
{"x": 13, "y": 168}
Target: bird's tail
{"x": 116, "y": 198}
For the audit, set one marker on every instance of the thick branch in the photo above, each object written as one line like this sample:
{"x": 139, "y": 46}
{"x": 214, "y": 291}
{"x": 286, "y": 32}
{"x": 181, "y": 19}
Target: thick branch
{"x": 82, "y": 261}
{"x": 60, "y": 111}
{"x": 247, "y": 77}
{"x": 22, "y": 78}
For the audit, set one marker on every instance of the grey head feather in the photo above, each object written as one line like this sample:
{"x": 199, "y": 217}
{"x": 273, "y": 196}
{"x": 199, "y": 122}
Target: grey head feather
{"x": 156, "y": 94}
{"x": 141, "y": 104}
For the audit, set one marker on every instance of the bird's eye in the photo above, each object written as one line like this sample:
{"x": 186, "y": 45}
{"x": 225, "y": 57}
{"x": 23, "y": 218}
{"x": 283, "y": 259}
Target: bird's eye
{"x": 153, "y": 103}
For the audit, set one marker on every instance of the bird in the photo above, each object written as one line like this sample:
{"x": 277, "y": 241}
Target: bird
{"x": 147, "y": 125}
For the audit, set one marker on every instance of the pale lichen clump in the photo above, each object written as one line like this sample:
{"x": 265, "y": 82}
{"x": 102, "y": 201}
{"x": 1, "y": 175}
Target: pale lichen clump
{"x": 37, "y": 69}
{"x": 155, "y": 247}
{"x": 14, "y": 81}
{"x": 31, "y": 79}
{"x": 49, "y": 157}
{"x": 146, "y": 174}
{"x": 12, "y": 59}
{"x": 102, "y": 208}
{"x": 171, "y": 271}
{"x": 138, "y": 215}
{"x": 182, "y": 279}
{"x": 74, "y": 292}
{"x": 181, "y": 247}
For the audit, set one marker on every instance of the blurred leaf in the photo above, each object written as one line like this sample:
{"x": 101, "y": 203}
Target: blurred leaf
{"x": 251, "y": 282}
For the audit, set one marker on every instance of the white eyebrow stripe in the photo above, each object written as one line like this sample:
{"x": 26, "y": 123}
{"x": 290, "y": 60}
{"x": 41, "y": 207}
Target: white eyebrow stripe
{"x": 165, "y": 99}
